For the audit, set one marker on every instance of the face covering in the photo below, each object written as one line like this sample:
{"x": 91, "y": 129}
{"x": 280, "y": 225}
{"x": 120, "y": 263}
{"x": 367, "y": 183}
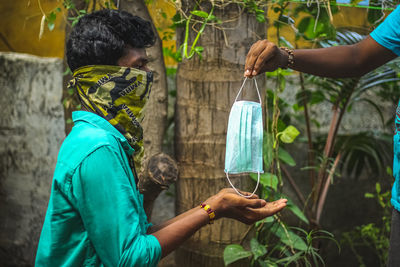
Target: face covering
{"x": 118, "y": 94}
{"x": 244, "y": 139}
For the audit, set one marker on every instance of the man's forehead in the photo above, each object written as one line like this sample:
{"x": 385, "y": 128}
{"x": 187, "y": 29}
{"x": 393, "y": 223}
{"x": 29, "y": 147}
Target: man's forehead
{"x": 137, "y": 52}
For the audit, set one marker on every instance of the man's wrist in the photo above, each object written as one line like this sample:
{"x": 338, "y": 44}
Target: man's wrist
{"x": 287, "y": 59}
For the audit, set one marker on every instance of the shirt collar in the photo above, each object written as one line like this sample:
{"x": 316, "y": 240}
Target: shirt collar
{"x": 99, "y": 122}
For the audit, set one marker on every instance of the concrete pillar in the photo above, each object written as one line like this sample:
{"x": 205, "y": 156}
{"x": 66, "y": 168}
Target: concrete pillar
{"x": 31, "y": 132}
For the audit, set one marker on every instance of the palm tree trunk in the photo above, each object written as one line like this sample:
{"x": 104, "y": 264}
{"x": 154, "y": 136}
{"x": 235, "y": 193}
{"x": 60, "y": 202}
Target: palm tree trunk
{"x": 155, "y": 122}
{"x": 206, "y": 90}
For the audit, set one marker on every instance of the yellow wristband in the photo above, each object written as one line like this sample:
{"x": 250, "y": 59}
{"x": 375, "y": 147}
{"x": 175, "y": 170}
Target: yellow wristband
{"x": 210, "y": 212}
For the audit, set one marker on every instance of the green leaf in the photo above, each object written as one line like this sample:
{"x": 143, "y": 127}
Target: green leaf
{"x": 260, "y": 17}
{"x": 257, "y": 249}
{"x": 368, "y": 195}
{"x": 289, "y": 134}
{"x": 378, "y": 187}
{"x": 199, "y": 49}
{"x": 269, "y": 219}
{"x": 296, "y": 210}
{"x": 317, "y": 97}
{"x": 289, "y": 238}
{"x": 286, "y": 157}
{"x": 303, "y": 97}
{"x": 234, "y": 253}
{"x": 304, "y": 24}
{"x": 267, "y": 263}
{"x": 266, "y": 179}
{"x": 389, "y": 171}
{"x": 199, "y": 13}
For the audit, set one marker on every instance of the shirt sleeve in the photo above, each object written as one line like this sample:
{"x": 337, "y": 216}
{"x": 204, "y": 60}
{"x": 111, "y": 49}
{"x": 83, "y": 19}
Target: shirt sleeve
{"x": 108, "y": 204}
{"x": 387, "y": 33}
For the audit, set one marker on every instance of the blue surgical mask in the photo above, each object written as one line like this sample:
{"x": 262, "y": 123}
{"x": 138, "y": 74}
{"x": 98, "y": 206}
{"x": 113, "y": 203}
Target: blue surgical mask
{"x": 244, "y": 139}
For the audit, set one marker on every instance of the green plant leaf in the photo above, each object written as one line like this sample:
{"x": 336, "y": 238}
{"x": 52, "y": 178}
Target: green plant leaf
{"x": 260, "y": 18}
{"x": 304, "y": 24}
{"x": 378, "y": 187}
{"x": 286, "y": 157}
{"x": 368, "y": 195}
{"x": 257, "y": 249}
{"x": 289, "y": 134}
{"x": 289, "y": 238}
{"x": 269, "y": 219}
{"x": 234, "y": 253}
{"x": 296, "y": 210}
{"x": 267, "y": 263}
{"x": 199, "y": 13}
{"x": 389, "y": 171}
{"x": 266, "y": 179}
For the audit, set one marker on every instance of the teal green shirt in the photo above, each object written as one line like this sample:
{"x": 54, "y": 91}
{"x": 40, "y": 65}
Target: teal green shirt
{"x": 95, "y": 215}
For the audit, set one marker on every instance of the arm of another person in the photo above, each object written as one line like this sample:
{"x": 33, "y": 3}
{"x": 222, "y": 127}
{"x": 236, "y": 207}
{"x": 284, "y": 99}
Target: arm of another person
{"x": 110, "y": 213}
{"x": 336, "y": 62}
{"x": 227, "y": 203}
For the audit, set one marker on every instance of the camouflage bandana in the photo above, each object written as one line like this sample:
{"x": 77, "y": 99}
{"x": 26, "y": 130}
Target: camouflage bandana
{"x": 118, "y": 94}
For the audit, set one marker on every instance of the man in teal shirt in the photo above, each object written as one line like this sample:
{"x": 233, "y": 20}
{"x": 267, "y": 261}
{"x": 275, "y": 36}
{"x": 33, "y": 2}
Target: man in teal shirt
{"x": 381, "y": 46}
{"x": 95, "y": 215}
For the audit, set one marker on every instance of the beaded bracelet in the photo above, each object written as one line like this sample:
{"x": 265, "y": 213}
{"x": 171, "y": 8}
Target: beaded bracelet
{"x": 209, "y": 211}
{"x": 290, "y": 61}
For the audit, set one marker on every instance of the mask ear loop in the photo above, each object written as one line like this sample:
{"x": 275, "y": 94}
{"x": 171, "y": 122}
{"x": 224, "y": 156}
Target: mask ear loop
{"x": 240, "y": 90}
{"x": 237, "y": 191}
{"x": 258, "y": 173}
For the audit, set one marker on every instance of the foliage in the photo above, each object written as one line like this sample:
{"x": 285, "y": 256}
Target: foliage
{"x": 325, "y": 152}
{"x": 292, "y": 245}
{"x": 275, "y": 242}
{"x": 372, "y": 236}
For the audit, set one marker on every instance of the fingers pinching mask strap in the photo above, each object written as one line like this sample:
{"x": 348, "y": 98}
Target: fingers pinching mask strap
{"x": 244, "y": 139}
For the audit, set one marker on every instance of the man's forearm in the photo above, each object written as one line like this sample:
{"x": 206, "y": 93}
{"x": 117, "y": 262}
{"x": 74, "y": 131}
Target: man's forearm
{"x": 342, "y": 61}
{"x": 177, "y": 230}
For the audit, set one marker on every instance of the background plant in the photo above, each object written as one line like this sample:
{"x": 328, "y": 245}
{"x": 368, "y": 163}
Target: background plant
{"x": 294, "y": 245}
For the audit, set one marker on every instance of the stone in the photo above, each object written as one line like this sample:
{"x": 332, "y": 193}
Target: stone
{"x": 31, "y": 132}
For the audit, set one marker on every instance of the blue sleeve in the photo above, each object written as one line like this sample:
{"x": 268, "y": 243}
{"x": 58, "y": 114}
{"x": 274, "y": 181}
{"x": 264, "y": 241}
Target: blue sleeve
{"x": 387, "y": 33}
{"x": 108, "y": 204}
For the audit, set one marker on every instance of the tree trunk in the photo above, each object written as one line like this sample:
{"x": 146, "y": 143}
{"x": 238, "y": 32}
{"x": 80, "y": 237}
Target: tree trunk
{"x": 155, "y": 121}
{"x": 206, "y": 89}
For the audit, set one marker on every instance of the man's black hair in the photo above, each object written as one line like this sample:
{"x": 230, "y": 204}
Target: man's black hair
{"x": 99, "y": 38}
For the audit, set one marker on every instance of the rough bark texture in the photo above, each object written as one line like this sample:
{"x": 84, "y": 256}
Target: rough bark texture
{"x": 31, "y": 132}
{"x": 155, "y": 121}
{"x": 206, "y": 90}
{"x": 162, "y": 171}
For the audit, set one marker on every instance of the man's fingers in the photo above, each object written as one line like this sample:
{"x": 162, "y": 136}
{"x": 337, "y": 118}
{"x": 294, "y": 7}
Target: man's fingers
{"x": 254, "y": 196}
{"x": 240, "y": 202}
{"x": 267, "y": 210}
{"x": 273, "y": 207}
{"x": 264, "y": 57}
{"x": 260, "y": 54}
{"x": 255, "y": 50}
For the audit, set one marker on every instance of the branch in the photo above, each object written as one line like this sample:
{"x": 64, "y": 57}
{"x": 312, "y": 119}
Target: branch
{"x": 309, "y": 136}
{"x": 324, "y": 192}
{"x": 294, "y": 185}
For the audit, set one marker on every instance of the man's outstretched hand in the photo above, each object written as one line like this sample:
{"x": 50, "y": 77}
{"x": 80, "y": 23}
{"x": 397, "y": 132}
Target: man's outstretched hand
{"x": 227, "y": 203}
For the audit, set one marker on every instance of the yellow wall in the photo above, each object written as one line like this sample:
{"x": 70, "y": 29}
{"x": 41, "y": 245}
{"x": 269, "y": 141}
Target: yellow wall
{"x": 20, "y": 25}
{"x": 347, "y": 16}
